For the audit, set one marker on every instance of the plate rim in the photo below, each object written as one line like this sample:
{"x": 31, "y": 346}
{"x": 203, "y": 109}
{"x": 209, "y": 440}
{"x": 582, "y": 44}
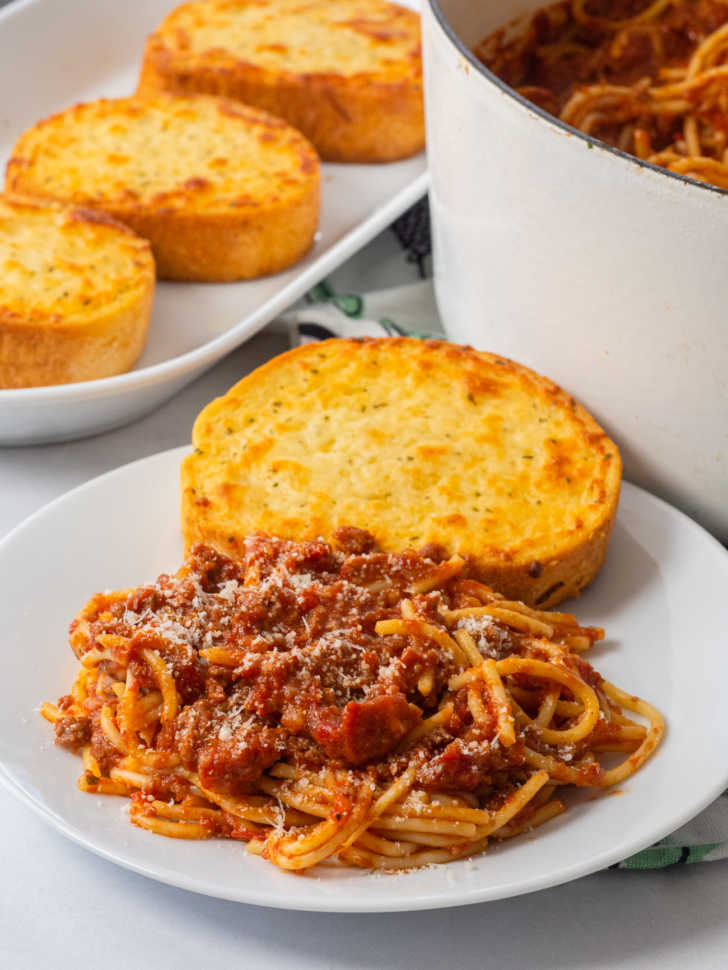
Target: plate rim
{"x": 338, "y": 902}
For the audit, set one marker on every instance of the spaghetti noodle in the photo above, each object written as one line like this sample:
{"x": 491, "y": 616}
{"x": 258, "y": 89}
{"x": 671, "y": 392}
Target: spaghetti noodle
{"x": 332, "y": 702}
{"x": 647, "y": 76}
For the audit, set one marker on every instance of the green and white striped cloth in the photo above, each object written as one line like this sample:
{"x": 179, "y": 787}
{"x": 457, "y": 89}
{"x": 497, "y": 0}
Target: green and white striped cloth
{"x": 386, "y": 290}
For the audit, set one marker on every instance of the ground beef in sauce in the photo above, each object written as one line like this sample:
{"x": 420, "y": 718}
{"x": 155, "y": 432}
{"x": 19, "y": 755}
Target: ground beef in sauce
{"x": 73, "y": 732}
{"x": 276, "y": 657}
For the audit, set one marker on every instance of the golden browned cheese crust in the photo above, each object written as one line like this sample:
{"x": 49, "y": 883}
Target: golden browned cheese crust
{"x": 348, "y": 74}
{"x": 76, "y": 293}
{"x": 222, "y": 191}
{"x": 418, "y": 442}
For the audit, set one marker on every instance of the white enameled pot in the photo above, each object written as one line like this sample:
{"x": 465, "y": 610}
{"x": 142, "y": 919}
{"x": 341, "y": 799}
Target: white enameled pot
{"x": 605, "y": 273}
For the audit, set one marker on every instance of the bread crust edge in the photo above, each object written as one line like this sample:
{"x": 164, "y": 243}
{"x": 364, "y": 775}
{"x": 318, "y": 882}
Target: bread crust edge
{"x": 356, "y": 119}
{"x": 42, "y": 353}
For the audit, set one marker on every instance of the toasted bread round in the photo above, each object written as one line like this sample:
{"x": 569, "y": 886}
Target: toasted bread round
{"x": 348, "y": 74}
{"x": 76, "y": 292}
{"x": 418, "y": 442}
{"x": 222, "y": 191}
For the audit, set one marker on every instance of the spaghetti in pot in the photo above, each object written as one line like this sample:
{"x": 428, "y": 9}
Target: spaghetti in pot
{"x": 332, "y": 702}
{"x": 647, "y": 76}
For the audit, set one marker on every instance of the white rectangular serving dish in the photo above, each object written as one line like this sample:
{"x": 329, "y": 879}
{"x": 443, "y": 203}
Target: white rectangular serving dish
{"x": 53, "y": 54}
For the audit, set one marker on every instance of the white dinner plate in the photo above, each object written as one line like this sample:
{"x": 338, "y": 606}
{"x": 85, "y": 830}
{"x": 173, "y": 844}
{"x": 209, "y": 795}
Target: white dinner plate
{"x": 661, "y": 597}
{"x": 55, "y": 54}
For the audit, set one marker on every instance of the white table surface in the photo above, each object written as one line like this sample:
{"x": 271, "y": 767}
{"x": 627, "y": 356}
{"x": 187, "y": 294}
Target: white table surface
{"x": 61, "y": 906}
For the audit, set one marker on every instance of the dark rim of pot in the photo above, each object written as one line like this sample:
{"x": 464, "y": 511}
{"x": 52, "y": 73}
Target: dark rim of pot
{"x": 551, "y": 119}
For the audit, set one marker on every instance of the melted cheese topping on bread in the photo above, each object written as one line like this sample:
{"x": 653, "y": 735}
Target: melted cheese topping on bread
{"x": 59, "y": 264}
{"x": 344, "y": 37}
{"x": 200, "y": 154}
{"x": 415, "y": 441}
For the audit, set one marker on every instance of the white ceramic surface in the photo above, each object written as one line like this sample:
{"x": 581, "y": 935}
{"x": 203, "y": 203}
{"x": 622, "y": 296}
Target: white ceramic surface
{"x": 602, "y": 272}
{"x": 661, "y": 597}
{"x": 54, "y": 54}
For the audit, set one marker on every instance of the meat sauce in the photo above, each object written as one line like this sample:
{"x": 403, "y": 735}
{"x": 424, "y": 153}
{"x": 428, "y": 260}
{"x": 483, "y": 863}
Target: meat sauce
{"x": 590, "y": 54}
{"x": 294, "y": 668}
